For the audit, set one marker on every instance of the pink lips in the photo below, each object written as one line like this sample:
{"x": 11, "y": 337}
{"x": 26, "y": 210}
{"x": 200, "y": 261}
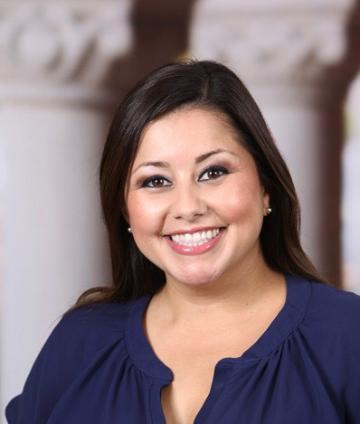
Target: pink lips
{"x": 195, "y": 250}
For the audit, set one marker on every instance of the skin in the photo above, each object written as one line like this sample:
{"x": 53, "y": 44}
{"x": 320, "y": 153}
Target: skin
{"x": 215, "y": 304}
{"x": 186, "y": 198}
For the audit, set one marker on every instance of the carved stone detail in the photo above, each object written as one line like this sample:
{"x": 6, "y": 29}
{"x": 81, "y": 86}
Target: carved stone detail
{"x": 276, "y": 40}
{"x": 61, "y": 43}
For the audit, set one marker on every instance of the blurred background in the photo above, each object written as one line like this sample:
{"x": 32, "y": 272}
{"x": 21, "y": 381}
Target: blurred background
{"x": 65, "y": 65}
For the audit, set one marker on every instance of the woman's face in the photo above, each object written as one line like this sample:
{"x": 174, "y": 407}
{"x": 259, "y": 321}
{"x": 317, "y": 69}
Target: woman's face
{"x": 195, "y": 202}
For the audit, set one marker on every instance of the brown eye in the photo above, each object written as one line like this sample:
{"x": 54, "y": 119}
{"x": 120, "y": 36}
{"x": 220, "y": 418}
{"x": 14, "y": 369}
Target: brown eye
{"x": 157, "y": 181}
{"x": 213, "y": 172}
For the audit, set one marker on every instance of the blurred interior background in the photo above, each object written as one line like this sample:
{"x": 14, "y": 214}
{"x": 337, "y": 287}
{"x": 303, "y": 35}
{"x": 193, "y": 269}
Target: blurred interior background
{"x": 65, "y": 65}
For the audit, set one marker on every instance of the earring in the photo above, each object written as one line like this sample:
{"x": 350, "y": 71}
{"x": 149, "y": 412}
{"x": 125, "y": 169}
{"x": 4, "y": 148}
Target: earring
{"x": 129, "y": 230}
{"x": 268, "y": 211}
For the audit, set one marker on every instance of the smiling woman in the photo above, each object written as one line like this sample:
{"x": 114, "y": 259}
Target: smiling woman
{"x": 215, "y": 314}
{"x": 207, "y": 199}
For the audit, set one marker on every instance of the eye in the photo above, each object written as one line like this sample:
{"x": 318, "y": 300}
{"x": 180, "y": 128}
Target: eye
{"x": 212, "y": 173}
{"x": 156, "y": 181}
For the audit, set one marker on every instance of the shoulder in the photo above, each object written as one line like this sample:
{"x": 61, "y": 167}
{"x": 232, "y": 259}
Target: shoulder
{"x": 92, "y": 324}
{"x": 79, "y": 341}
{"x": 335, "y": 311}
{"x": 80, "y": 333}
{"x": 326, "y": 298}
{"x": 331, "y": 330}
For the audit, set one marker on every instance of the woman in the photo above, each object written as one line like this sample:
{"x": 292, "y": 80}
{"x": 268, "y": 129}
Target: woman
{"x": 215, "y": 314}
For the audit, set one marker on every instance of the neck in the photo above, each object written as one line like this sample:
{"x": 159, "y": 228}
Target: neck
{"x": 239, "y": 294}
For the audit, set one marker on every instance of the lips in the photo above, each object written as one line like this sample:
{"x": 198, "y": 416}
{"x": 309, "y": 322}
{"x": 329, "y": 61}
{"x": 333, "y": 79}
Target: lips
{"x": 195, "y": 242}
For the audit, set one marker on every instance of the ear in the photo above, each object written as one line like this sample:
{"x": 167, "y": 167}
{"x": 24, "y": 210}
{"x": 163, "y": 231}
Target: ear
{"x": 124, "y": 213}
{"x": 124, "y": 208}
{"x": 266, "y": 202}
{"x": 126, "y": 216}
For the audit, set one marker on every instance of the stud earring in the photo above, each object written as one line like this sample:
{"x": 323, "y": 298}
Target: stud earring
{"x": 129, "y": 230}
{"x": 268, "y": 211}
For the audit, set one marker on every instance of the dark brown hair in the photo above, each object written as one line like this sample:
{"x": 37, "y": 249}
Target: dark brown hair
{"x": 204, "y": 84}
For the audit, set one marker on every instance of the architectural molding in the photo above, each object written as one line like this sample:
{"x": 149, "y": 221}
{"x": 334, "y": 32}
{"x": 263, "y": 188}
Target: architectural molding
{"x": 49, "y": 47}
{"x": 274, "y": 41}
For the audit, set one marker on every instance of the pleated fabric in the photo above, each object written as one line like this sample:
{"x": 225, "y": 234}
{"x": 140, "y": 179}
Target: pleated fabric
{"x": 97, "y": 367}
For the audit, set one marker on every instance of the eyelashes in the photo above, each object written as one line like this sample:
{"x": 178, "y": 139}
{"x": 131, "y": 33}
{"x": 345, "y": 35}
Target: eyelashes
{"x": 210, "y": 173}
{"x": 213, "y": 172}
{"x": 156, "y": 181}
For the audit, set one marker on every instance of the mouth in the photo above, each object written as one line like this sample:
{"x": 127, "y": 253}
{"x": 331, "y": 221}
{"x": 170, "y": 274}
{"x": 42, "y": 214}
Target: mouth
{"x": 195, "y": 242}
{"x": 196, "y": 238}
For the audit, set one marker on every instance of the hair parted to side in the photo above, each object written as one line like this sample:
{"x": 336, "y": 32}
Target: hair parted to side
{"x": 204, "y": 84}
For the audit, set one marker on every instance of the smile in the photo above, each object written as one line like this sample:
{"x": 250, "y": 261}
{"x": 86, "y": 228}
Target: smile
{"x": 195, "y": 243}
{"x": 195, "y": 239}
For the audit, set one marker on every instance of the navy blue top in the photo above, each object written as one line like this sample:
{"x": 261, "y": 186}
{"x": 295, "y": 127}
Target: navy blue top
{"x": 97, "y": 367}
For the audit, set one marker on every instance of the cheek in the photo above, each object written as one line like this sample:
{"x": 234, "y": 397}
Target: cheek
{"x": 242, "y": 201}
{"x": 144, "y": 216}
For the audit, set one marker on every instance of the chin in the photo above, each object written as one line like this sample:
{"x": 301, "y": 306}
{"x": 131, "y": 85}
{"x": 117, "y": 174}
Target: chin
{"x": 197, "y": 278}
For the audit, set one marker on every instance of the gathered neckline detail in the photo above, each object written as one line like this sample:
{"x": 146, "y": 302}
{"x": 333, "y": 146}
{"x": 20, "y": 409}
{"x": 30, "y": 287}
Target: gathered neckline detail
{"x": 298, "y": 293}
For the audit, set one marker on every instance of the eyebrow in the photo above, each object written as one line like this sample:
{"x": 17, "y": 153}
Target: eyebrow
{"x": 199, "y": 159}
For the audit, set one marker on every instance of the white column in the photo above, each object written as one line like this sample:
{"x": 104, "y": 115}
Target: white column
{"x": 351, "y": 203}
{"x": 54, "y": 103}
{"x": 292, "y": 56}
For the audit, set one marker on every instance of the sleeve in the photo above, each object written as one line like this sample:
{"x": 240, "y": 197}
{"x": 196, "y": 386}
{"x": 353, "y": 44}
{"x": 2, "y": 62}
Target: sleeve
{"x": 352, "y": 396}
{"x": 49, "y": 377}
{"x": 352, "y": 359}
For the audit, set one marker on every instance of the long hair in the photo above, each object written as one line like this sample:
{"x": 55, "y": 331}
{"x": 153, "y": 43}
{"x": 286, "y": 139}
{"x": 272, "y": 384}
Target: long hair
{"x": 203, "y": 84}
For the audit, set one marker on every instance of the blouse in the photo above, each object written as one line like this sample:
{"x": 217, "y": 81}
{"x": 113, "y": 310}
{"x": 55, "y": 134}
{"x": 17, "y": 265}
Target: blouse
{"x": 98, "y": 367}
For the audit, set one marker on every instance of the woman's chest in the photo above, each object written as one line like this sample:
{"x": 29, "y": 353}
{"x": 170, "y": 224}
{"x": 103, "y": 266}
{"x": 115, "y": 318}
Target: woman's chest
{"x": 212, "y": 393}
{"x": 183, "y": 398}
{"x": 263, "y": 392}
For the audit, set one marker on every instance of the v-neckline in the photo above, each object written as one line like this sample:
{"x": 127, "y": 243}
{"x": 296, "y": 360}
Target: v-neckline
{"x": 298, "y": 291}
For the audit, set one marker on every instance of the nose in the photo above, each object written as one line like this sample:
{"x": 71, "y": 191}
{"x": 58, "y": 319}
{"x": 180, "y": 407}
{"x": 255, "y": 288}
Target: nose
{"x": 188, "y": 204}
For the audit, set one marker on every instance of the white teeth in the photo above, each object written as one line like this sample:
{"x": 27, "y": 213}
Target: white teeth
{"x": 195, "y": 239}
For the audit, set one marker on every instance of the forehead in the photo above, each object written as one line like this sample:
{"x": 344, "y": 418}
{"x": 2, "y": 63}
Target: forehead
{"x": 187, "y": 132}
